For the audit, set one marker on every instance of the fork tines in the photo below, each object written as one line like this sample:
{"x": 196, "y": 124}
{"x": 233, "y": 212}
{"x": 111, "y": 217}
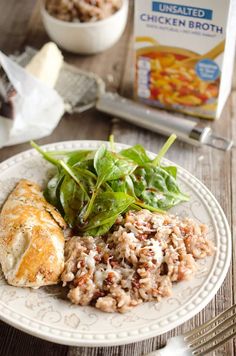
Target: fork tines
{"x": 213, "y": 333}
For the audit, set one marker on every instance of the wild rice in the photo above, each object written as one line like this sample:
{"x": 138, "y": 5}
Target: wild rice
{"x": 82, "y": 10}
{"x": 136, "y": 262}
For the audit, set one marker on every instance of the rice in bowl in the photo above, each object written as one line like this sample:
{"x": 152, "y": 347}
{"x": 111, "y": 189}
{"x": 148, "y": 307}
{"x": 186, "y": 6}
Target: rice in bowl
{"x": 82, "y": 10}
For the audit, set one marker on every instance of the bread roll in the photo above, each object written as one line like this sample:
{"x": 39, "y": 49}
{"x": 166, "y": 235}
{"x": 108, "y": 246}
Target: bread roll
{"x": 31, "y": 238}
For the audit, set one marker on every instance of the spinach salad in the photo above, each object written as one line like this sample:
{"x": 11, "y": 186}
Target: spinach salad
{"x": 91, "y": 188}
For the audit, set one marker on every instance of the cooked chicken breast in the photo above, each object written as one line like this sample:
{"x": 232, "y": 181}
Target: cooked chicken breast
{"x": 31, "y": 238}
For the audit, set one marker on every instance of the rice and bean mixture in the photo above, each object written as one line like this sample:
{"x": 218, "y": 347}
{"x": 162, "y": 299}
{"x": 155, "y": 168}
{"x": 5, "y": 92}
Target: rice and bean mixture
{"x": 82, "y": 10}
{"x": 136, "y": 262}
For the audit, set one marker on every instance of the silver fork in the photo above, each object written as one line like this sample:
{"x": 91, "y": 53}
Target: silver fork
{"x": 203, "y": 339}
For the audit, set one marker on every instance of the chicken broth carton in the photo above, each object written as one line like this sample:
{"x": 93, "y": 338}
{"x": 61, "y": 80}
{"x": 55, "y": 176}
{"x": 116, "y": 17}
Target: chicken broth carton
{"x": 185, "y": 54}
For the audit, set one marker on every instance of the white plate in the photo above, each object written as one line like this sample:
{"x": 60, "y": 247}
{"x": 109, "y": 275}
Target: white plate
{"x": 44, "y": 312}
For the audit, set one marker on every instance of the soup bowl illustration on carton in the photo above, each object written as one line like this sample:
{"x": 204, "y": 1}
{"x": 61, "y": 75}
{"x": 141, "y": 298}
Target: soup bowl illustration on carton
{"x": 176, "y": 78}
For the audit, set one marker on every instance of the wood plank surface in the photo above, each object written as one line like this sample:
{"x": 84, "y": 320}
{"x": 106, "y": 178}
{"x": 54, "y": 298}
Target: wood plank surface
{"x": 20, "y": 25}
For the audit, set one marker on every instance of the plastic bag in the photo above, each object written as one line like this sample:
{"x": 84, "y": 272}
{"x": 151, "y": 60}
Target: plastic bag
{"x": 37, "y": 109}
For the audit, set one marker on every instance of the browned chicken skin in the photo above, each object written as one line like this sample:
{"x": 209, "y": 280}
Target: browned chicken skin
{"x": 31, "y": 238}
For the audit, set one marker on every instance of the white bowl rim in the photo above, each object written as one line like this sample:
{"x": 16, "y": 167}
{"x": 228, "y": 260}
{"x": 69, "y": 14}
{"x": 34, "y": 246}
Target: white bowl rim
{"x": 83, "y": 24}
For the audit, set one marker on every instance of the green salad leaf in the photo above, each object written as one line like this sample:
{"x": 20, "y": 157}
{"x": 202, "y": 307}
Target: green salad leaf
{"x": 72, "y": 199}
{"x": 157, "y": 187}
{"x": 107, "y": 207}
{"x": 109, "y": 166}
{"x": 137, "y": 154}
{"x": 91, "y": 188}
{"x": 52, "y": 191}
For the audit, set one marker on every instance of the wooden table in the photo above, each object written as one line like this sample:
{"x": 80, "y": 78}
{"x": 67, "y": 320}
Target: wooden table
{"x": 20, "y": 25}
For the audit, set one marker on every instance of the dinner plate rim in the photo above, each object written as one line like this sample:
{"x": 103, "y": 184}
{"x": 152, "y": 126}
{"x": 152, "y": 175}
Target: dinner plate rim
{"x": 117, "y": 339}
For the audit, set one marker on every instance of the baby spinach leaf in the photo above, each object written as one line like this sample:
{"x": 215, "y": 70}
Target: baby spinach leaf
{"x": 84, "y": 172}
{"x": 74, "y": 175}
{"x": 172, "y": 170}
{"x": 129, "y": 186}
{"x": 77, "y": 157}
{"x": 75, "y": 197}
{"x": 124, "y": 184}
{"x": 111, "y": 166}
{"x": 102, "y": 229}
{"x": 70, "y": 157}
{"x": 137, "y": 154}
{"x": 118, "y": 185}
{"x": 99, "y": 155}
{"x": 86, "y": 164}
{"x": 139, "y": 180}
{"x": 72, "y": 199}
{"x": 156, "y": 187}
{"x": 107, "y": 206}
{"x": 52, "y": 191}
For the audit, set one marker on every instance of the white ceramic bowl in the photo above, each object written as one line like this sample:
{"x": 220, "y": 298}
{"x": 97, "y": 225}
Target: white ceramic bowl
{"x": 86, "y": 37}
